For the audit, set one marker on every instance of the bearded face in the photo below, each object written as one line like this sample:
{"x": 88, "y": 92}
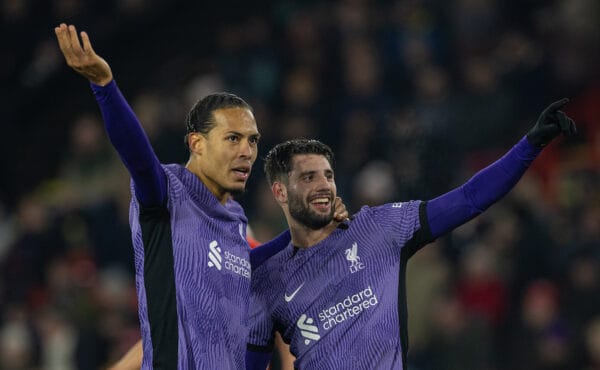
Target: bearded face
{"x": 311, "y": 190}
{"x": 314, "y": 211}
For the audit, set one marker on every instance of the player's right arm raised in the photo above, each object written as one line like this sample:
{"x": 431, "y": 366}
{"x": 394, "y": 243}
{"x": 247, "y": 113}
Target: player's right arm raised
{"x": 123, "y": 128}
{"x": 82, "y": 58}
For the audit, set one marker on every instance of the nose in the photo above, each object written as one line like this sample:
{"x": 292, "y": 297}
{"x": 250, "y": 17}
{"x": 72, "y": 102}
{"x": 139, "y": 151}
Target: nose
{"x": 246, "y": 149}
{"x": 324, "y": 183}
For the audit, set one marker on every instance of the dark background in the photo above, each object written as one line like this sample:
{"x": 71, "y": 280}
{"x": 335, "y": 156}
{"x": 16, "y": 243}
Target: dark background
{"x": 414, "y": 96}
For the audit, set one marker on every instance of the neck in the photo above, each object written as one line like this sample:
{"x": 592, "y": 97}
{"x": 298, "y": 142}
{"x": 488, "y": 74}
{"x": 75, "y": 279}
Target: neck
{"x": 305, "y": 237}
{"x": 219, "y": 193}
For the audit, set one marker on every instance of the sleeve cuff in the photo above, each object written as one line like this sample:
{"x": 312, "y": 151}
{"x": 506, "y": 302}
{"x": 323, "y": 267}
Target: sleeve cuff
{"x": 103, "y": 90}
{"x": 526, "y": 150}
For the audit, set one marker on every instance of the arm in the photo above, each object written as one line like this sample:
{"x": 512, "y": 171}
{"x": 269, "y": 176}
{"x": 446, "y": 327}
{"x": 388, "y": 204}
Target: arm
{"x": 285, "y": 356}
{"x": 265, "y": 251}
{"x": 257, "y": 360}
{"x": 123, "y": 128}
{"x": 132, "y": 359}
{"x": 489, "y": 185}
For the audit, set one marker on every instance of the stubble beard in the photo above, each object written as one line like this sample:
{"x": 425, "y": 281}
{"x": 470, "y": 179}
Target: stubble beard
{"x": 237, "y": 191}
{"x": 305, "y": 215}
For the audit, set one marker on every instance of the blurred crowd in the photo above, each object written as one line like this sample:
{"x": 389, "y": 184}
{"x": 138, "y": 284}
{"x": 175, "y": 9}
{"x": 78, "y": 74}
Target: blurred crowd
{"x": 414, "y": 96}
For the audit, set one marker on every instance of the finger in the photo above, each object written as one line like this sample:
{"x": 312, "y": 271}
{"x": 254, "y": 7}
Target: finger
{"x": 566, "y": 124}
{"x": 74, "y": 40}
{"x": 572, "y": 127}
{"x": 337, "y": 204}
{"x": 87, "y": 45}
{"x": 340, "y": 208}
{"x": 63, "y": 40}
{"x": 555, "y": 106}
{"x": 340, "y": 217}
{"x": 563, "y": 121}
{"x": 58, "y": 29}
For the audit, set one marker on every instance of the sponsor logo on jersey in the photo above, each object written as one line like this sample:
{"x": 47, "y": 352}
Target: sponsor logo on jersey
{"x": 233, "y": 263}
{"x": 397, "y": 205}
{"x": 214, "y": 255}
{"x": 348, "y": 308}
{"x": 354, "y": 259}
{"x": 309, "y": 331}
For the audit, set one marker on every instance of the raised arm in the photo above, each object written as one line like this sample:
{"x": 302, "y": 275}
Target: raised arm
{"x": 489, "y": 185}
{"x": 122, "y": 126}
{"x": 132, "y": 360}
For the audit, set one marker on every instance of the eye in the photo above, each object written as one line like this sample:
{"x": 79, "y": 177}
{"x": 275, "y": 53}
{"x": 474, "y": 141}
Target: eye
{"x": 233, "y": 138}
{"x": 254, "y": 140}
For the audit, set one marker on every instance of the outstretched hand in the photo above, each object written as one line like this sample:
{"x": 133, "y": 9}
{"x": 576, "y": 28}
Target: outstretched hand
{"x": 81, "y": 56}
{"x": 551, "y": 123}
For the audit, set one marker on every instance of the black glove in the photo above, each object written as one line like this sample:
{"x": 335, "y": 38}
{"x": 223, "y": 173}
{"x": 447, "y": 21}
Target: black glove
{"x": 551, "y": 122}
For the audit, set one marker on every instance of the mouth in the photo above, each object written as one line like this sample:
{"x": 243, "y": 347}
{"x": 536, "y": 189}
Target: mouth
{"x": 321, "y": 203}
{"x": 241, "y": 173}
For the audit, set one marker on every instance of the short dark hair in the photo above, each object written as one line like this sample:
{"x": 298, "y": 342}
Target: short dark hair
{"x": 278, "y": 161}
{"x": 200, "y": 118}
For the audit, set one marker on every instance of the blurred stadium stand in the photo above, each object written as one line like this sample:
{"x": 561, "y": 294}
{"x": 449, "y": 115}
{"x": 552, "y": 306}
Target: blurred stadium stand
{"x": 413, "y": 95}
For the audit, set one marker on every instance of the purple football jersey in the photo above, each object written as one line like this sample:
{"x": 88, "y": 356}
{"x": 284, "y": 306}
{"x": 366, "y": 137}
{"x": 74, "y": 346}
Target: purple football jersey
{"x": 341, "y": 303}
{"x": 193, "y": 277}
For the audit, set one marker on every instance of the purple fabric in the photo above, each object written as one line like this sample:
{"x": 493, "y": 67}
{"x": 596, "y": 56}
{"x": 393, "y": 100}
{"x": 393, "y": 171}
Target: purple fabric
{"x": 211, "y": 272}
{"x": 267, "y": 250}
{"x": 336, "y": 303}
{"x": 489, "y": 185}
{"x": 129, "y": 139}
{"x": 191, "y": 255}
{"x": 257, "y": 360}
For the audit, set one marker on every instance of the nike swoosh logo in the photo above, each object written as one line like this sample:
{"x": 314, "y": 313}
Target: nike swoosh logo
{"x": 288, "y": 298}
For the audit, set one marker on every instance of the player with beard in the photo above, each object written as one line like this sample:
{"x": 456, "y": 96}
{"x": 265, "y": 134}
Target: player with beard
{"x": 337, "y": 295}
{"x": 189, "y": 236}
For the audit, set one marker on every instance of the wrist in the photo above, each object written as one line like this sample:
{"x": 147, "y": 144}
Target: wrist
{"x": 100, "y": 79}
{"x": 102, "y": 82}
{"x": 528, "y": 149}
{"x": 533, "y": 141}
{"x": 536, "y": 139}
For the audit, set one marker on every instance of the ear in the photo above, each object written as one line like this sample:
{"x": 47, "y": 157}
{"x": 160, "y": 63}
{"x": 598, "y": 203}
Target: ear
{"x": 196, "y": 142}
{"x": 279, "y": 192}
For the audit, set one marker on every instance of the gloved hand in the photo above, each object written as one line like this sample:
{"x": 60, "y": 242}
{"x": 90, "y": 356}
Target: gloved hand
{"x": 550, "y": 124}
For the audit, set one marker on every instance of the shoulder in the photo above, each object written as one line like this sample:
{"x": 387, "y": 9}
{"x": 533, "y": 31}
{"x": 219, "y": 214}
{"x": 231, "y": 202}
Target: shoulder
{"x": 387, "y": 209}
{"x": 265, "y": 258}
{"x": 266, "y": 265}
{"x": 268, "y": 250}
{"x": 174, "y": 169}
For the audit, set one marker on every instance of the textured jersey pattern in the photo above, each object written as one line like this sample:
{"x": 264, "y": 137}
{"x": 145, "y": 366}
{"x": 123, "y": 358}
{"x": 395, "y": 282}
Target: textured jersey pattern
{"x": 337, "y": 302}
{"x": 211, "y": 274}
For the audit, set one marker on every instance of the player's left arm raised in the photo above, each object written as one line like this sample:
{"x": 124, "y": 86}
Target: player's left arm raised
{"x": 489, "y": 185}
{"x": 551, "y": 123}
